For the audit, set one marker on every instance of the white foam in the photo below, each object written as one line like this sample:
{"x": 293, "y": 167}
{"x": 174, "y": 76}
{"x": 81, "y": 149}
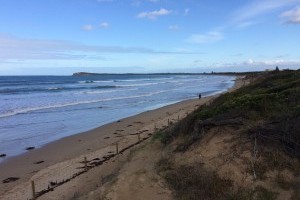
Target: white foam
{"x": 28, "y": 110}
{"x": 140, "y": 84}
{"x": 106, "y": 91}
{"x": 55, "y": 88}
{"x": 146, "y": 79}
{"x": 132, "y": 80}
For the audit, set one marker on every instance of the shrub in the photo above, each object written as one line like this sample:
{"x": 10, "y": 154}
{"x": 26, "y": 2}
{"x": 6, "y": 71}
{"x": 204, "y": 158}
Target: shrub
{"x": 194, "y": 182}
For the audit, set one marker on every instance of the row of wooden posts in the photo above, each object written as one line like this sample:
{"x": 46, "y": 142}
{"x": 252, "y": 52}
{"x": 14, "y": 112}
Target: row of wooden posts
{"x": 34, "y": 194}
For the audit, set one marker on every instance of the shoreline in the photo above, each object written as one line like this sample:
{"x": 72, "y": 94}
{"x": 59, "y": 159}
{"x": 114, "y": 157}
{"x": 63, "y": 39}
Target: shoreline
{"x": 34, "y": 122}
{"x": 38, "y": 162}
{"x": 32, "y": 148}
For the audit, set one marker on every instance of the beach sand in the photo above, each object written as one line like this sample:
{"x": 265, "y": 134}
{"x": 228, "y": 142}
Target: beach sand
{"x": 61, "y": 159}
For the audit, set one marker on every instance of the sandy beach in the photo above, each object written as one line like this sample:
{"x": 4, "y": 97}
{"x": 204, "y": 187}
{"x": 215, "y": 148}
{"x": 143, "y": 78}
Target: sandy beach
{"x": 60, "y": 160}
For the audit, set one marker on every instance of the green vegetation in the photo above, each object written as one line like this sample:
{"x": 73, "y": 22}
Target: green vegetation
{"x": 266, "y": 113}
{"x": 271, "y": 104}
{"x": 161, "y": 136}
{"x": 194, "y": 182}
{"x": 273, "y": 96}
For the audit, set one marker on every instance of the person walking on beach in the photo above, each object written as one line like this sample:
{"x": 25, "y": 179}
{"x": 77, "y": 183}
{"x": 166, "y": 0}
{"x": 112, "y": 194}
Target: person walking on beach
{"x": 200, "y": 96}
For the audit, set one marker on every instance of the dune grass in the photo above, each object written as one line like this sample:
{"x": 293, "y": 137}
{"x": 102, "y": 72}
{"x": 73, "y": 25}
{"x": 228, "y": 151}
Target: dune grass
{"x": 271, "y": 104}
{"x": 267, "y": 111}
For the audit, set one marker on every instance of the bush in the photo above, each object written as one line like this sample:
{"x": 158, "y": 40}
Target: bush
{"x": 194, "y": 182}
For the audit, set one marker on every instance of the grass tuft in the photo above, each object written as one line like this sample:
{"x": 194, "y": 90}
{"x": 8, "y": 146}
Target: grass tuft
{"x": 194, "y": 182}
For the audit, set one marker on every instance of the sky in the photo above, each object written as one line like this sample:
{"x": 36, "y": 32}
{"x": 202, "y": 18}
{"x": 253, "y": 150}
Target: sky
{"x": 59, "y": 37}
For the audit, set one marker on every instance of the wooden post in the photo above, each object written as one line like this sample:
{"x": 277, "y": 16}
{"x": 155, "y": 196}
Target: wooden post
{"x": 85, "y": 163}
{"x": 33, "y": 190}
{"x": 117, "y": 148}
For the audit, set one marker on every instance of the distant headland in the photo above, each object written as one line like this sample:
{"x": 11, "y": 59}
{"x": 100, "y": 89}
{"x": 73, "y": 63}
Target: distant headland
{"x": 203, "y": 73}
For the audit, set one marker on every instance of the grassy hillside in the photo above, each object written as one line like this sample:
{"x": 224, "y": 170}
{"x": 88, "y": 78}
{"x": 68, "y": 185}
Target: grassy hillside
{"x": 263, "y": 121}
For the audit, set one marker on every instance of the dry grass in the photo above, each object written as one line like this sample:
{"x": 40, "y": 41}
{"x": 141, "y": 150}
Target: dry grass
{"x": 258, "y": 193}
{"x": 194, "y": 182}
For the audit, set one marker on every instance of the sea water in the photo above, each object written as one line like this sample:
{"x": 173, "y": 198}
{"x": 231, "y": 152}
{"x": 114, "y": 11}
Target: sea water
{"x": 36, "y": 110}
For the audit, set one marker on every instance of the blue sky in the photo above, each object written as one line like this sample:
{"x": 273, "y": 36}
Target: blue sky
{"x": 64, "y": 36}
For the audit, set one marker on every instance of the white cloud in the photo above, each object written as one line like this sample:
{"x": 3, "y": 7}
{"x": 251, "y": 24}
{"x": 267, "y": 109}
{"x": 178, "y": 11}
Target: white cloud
{"x": 13, "y": 48}
{"x": 269, "y": 63}
{"x": 245, "y": 24}
{"x": 140, "y": 2}
{"x": 18, "y": 48}
{"x": 104, "y": 25}
{"x": 88, "y": 27}
{"x": 174, "y": 27}
{"x": 186, "y": 11}
{"x": 251, "y": 13}
{"x": 260, "y": 7}
{"x": 154, "y": 14}
{"x": 249, "y": 61}
{"x": 209, "y": 37}
{"x": 292, "y": 16}
{"x": 256, "y": 65}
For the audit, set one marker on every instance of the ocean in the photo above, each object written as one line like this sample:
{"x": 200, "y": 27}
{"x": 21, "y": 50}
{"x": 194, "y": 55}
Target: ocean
{"x": 36, "y": 110}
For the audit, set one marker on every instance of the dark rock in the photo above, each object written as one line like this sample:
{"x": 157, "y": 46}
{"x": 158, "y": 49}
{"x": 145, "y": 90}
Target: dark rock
{"x": 2, "y": 155}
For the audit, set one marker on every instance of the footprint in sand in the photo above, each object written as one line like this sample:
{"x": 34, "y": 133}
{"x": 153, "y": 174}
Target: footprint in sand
{"x": 52, "y": 183}
{"x": 10, "y": 179}
{"x": 39, "y": 162}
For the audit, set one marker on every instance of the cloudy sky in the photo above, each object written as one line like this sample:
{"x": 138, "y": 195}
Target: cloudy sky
{"x": 119, "y": 36}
